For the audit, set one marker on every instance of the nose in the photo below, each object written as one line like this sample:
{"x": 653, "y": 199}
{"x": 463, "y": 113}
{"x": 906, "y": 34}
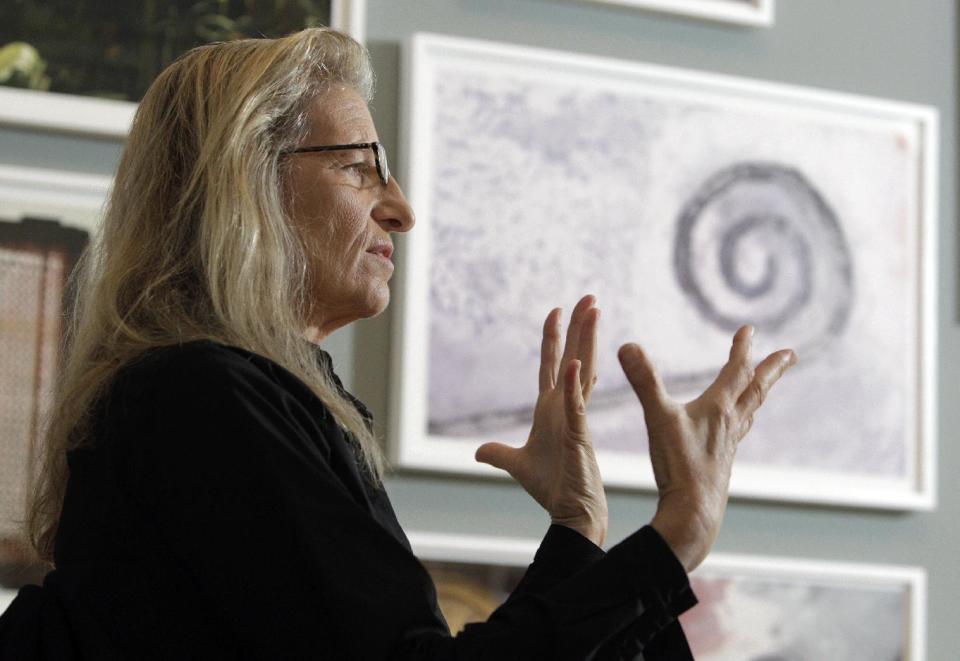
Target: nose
{"x": 392, "y": 212}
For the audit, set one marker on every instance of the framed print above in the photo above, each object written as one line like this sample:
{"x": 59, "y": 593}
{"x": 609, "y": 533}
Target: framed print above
{"x": 744, "y": 12}
{"x": 750, "y": 607}
{"x": 689, "y": 204}
{"x": 81, "y": 67}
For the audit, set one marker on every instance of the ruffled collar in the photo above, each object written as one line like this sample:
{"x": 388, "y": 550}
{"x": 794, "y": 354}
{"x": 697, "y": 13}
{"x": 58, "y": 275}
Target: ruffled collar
{"x": 326, "y": 362}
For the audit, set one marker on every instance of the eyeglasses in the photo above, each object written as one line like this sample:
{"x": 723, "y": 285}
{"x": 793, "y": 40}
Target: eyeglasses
{"x": 379, "y": 155}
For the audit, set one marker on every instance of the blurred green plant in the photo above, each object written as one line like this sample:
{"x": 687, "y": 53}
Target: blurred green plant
{"x": 116, "y": 49}
{"x": 22, "y": 66}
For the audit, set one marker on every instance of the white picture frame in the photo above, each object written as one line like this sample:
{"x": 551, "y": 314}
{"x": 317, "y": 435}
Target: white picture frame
{"x": 762, "y": 602}
{"x": 755, "y": 13}
{"x": 497, "y": 374}
{"x": 74, "y": 199}
{"x": 108, "y": 118}
{"x": 351, "y": 17}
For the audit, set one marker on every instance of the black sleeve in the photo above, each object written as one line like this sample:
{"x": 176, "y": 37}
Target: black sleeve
{"x": 562, "y": 553}
{"x": 233, "y": 472}
{"x": 655, "y": 633}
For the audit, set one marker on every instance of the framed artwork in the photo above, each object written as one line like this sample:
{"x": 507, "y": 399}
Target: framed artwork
{"x": 689, "y": 204}
{"x": 750, "y": 607}
{"x": 754, "y": 607}
{"x": 81, "y": 67}
{"x": 73, "y": 198}
{"x": 744, "y": 12}
{"x": 46, "y": 218}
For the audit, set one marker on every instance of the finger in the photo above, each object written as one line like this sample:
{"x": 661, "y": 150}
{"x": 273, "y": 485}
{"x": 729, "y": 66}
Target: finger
{"x": 736, "y": 375}
{"x": 575, "y": 409}
{"x": 767, "y": 373}
{"x": 745, "y": 428}
{"x": 572, "y": 344}
{"x": 588, "y": 352}
{"x": 497, "y": 455}
{"x": 644, "y": 379}
{"x": 742, "y": 344}
{"x": 550, "y": 351}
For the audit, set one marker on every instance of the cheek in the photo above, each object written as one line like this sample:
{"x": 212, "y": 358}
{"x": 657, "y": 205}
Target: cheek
{"x": 349, "y": 232}
{"x": 306, "y": 198}
{"x": 337, "y": 240}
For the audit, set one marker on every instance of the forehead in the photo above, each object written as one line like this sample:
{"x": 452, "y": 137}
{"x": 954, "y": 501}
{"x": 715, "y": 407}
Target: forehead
{"x": 340, "y": 115}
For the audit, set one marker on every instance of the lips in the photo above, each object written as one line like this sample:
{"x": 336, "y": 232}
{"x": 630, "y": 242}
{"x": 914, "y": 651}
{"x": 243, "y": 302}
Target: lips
{"x": 383, "y": 249}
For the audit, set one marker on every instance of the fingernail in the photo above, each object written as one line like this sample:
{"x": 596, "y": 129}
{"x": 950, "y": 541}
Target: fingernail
{"x": 752, "y": 331}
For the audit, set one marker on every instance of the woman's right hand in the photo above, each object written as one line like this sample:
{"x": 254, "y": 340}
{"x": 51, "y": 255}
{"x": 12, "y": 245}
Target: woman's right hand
{"x": 692, "y": 445}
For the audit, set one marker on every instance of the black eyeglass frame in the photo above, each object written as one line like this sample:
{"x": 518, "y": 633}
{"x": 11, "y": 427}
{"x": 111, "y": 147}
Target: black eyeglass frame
{"x": 379, "y": 155}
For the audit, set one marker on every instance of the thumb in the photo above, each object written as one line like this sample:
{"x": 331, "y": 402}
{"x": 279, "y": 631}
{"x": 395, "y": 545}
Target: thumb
{"x": 643, "y": 377}
{"x": 497, "y": 455}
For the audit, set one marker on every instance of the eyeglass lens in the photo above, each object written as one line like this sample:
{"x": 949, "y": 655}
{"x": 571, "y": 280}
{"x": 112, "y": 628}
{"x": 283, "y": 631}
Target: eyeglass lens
{"x": 382, "y": 167}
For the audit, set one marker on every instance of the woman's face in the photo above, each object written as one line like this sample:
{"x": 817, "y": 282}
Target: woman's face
{"x": 345, "y": 214}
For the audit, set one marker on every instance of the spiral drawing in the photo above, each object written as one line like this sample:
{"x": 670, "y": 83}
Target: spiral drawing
{"x": 758, "y": 244}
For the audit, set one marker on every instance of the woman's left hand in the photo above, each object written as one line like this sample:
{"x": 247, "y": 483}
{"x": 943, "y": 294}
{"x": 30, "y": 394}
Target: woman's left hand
{"x": 557, "y": 465}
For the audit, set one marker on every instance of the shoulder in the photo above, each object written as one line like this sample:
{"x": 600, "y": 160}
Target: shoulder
{"x": 204, "y": 376}
{"x": 202, "y": 415}
{"x": 189, "y": 358}
{"x": 202, "y": 363}
{"x": 179, "y": 371}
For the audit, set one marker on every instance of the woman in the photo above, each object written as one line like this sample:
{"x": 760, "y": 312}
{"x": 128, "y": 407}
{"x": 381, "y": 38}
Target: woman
{"x": 209, "y": 488}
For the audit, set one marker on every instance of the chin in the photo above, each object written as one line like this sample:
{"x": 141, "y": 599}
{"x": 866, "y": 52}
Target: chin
{"x": 377, "y": 303}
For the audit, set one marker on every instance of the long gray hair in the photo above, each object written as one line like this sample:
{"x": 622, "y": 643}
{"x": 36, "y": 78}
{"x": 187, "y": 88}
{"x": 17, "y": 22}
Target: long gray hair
{"x": 197, "y": 241}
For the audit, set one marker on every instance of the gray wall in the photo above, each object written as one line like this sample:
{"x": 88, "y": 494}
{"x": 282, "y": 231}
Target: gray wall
{"x": 887, "y": 48}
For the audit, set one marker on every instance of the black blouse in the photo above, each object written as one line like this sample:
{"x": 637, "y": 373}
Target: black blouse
{"x": 220, "y": 514}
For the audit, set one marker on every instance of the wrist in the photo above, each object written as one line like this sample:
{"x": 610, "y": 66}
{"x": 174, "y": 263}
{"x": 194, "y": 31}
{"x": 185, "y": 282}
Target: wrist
{"x": 595, "y": 532}
{"x": 679, "y": 538}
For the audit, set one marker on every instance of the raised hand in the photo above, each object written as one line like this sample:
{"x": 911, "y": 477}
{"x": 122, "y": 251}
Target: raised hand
{"x": 557, "y": 465}
{"x": 692, "y": 446}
